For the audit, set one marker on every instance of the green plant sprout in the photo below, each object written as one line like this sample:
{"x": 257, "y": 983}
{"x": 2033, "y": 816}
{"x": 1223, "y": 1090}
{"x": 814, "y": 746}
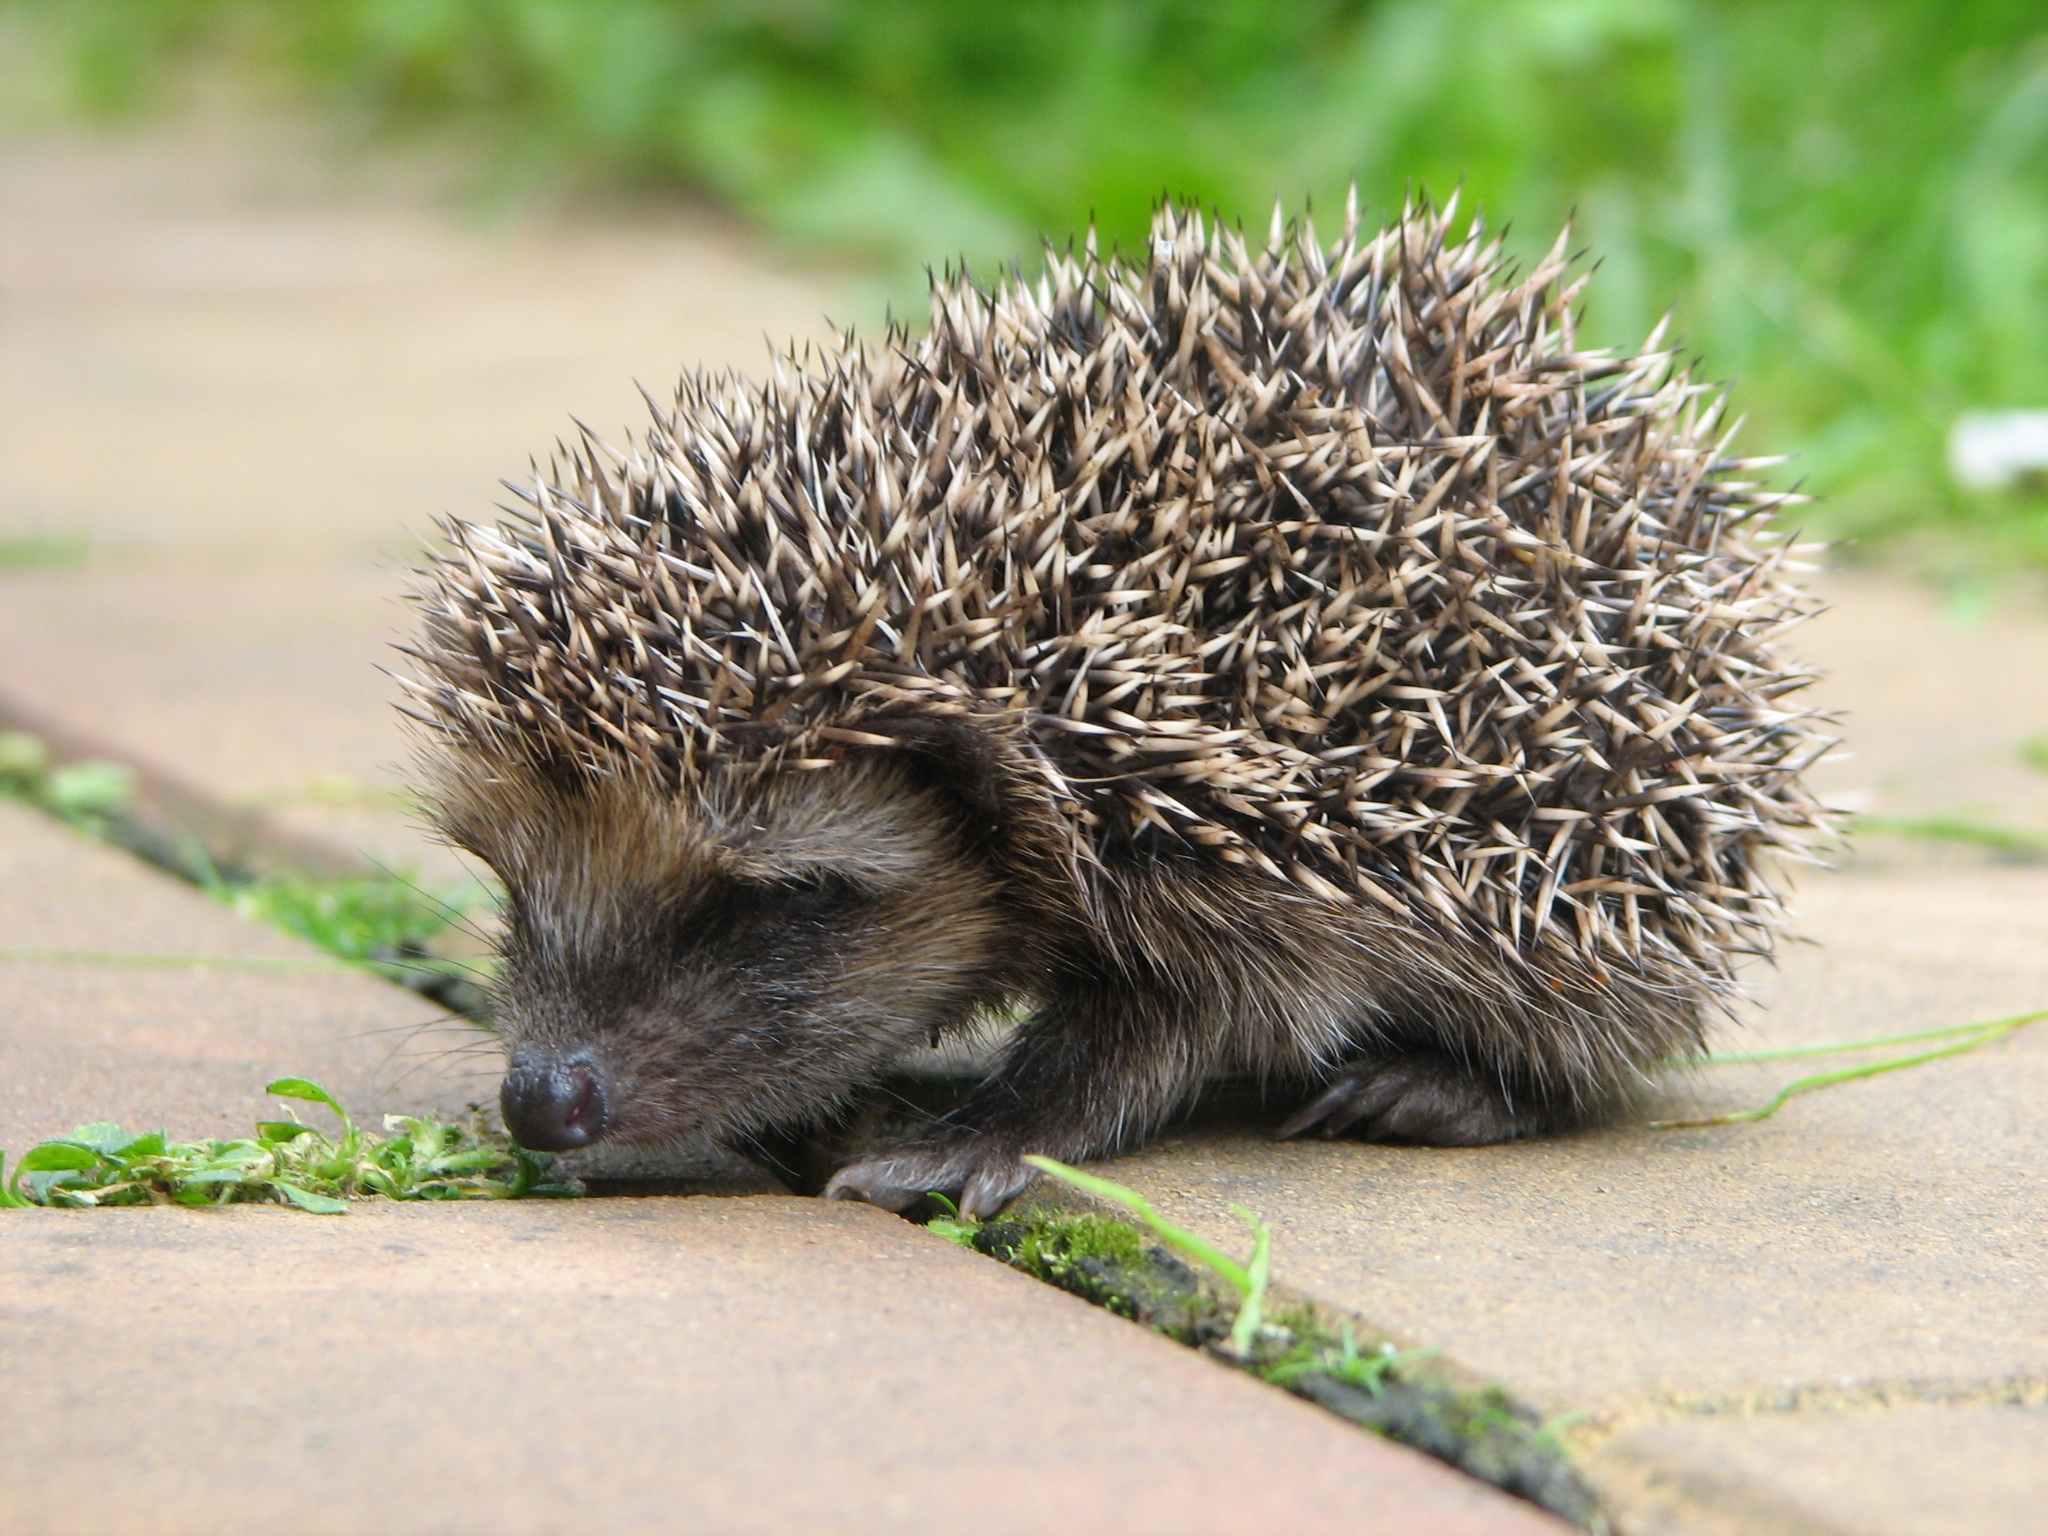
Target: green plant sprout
{"x": 1963, "y": 1037}
{"x": 1248, "y": 1279}
{"x": 2013, "y": 842}
{"x": 950, "y": 1224}
{"x": 286, "y": 1163}
{"x": 43, "y": 551}
{"x": 87, "y": 794}
{"x": 1368, "y": 1370}
{"x": 383, "y": 924}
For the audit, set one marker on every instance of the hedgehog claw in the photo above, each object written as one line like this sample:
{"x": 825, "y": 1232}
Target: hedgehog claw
{"x": 980, "y": 1180}
{"x": 1422, "y": 1097}
{"x": 1318, "y": 1109}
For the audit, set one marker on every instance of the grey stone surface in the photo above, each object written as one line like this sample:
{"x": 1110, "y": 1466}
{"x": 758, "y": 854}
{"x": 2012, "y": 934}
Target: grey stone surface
{"x": 98, "y": 1021}
{"x": 1938, "y": 708}
{"x": 744, "y": 1365}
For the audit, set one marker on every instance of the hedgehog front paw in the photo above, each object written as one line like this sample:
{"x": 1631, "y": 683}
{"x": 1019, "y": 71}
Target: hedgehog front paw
{"x": 1422, "y": 1096}
{"x": 978, "y": 1177}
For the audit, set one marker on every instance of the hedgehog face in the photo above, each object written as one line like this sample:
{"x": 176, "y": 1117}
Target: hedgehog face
{"x": 733, "y": 962}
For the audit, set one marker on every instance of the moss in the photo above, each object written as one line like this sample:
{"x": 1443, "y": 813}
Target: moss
{"x": 1107, "y": 1262}
{"x": 1484, "y": 1433}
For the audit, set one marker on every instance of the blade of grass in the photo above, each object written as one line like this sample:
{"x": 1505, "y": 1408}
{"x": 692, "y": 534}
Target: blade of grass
{"x": 1251, "y": 1311}
{"x": 10, "y": 1198}
{"x": 1987, "y": 1033}
{"x": 1955, "y": 829}
{"x": 1249, "y": 1279}
{"x": 1875, "y": 1043}
{"x": 1175, "y": 1237}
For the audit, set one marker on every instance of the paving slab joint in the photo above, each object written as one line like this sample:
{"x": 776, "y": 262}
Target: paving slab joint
{"x": 1411, "y": 1395}
{"x": 208, "y": 842}
{"x": 1854, "y": 1396}
{"x": 1659, "y": 1499}
{"x": 181, "y": 828}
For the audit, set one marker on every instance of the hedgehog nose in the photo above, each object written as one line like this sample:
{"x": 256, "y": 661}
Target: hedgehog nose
{"x": 554, "y": 1106}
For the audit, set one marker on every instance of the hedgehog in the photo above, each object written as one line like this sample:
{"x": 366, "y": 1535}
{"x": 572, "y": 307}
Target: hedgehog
{"x": 1292, "y": 660}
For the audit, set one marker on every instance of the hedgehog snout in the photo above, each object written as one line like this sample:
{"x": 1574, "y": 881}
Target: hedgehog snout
{"x": 553, "y": 1103}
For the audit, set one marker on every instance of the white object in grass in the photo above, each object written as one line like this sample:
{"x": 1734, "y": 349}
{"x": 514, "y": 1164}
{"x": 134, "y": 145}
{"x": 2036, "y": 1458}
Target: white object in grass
{"x": 1994, "y": 450}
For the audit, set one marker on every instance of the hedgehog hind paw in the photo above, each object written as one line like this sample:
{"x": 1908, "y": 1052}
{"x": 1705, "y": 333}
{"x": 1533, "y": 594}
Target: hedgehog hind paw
{"x": 979, "y": 1180}
{"x": 1423, "y": 1097}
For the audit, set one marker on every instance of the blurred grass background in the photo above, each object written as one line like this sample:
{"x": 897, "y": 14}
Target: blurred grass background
{"x": 1845, "y": 203}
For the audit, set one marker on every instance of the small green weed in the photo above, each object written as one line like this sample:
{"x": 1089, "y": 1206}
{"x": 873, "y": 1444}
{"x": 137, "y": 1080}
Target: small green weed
{"x": 1370, "y": 1369}
{"x": 1955, "y": 1039}
{"x": 286, "y": 1163}
{"x": 387, "y": 924}
{"x": 88, "y": 795}
{"x": 2034, "y": 752}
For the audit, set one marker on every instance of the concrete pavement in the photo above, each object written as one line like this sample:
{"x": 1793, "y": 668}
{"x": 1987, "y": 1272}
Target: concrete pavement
{"x": 754, "y": 1363}
{"x": 762, "y": 1365}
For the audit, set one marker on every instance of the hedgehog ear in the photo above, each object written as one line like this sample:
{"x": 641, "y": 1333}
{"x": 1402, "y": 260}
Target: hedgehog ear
{"x": 960, "y": 759}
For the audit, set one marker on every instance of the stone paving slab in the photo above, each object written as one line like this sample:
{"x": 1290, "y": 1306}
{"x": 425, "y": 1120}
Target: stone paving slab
{"x": 296, "y": 377}
{"x": 695, "y": 1365}
{"x": 1881, "y": 1241}
{"x": 188, "y": 1048}
{"x": 101, "y": 1029}
{"x": 1810, "y": 1474}
{"x": 1937, "y": 709}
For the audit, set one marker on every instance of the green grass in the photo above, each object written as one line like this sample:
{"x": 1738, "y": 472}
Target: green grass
{"x": 87, "y": 795}
{"x": 1249, "y": 1279}
{"x": 1966, "y": 831}
{"x": 285, "y": 1163}
{"x": 1847, "y": 203}
{"x": 1952, "y": 1041}
{"x": 388, "y": 924}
